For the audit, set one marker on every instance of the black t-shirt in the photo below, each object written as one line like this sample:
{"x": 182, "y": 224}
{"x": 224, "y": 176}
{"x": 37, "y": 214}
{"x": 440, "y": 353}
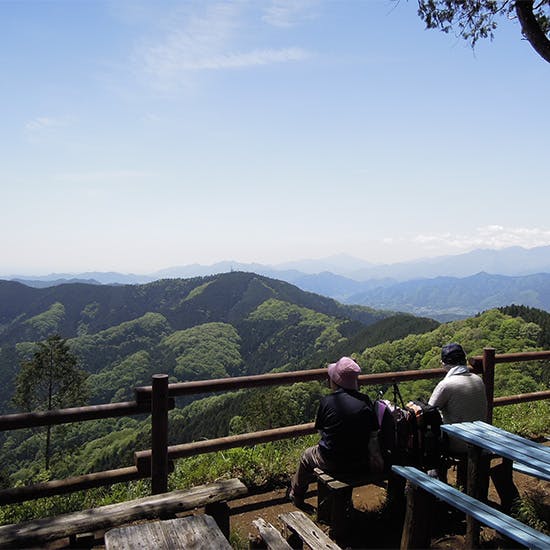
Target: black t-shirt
{"x": 345, "y": 419}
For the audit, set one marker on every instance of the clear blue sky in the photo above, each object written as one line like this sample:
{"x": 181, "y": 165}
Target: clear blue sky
{"x": 141, "y": 135}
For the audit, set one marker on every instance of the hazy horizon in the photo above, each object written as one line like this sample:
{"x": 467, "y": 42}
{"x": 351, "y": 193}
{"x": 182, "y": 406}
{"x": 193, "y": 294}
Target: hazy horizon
{"x": 288, "y": 264}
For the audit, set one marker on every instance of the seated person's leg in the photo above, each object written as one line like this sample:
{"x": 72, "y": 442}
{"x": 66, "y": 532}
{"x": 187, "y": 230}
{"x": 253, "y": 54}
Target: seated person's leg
{"x": 310, "y": 459}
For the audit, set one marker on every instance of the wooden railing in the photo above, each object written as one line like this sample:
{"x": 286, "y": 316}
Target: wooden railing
{"x": 158, "y": 399}
{"x": 487, "y": 362}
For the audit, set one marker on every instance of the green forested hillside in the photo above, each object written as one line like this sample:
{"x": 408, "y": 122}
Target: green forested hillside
{"x": 533, "y": 315}
{"x": 78, "y": 309}
{"x": 490, "y": 329}
{"x": 206, "y": 327}
{"x": 227, "y": 325}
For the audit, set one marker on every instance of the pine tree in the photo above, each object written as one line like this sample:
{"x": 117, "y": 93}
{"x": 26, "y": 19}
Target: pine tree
{"x": 50, "y": 380}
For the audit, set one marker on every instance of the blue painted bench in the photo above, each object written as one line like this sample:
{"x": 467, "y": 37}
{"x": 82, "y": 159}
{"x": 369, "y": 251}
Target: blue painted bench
{"x": 524, "y": 469}
{"x": 416, "y": 528}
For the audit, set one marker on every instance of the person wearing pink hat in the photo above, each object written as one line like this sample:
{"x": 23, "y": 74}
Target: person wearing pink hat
{"x": 345, "y": 420}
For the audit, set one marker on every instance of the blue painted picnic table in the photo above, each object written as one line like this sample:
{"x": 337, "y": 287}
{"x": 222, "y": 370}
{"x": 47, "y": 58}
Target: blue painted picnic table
{"x": 534, "y": 456}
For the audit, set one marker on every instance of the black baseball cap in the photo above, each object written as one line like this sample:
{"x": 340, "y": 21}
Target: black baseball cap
{"x": 453, "y": 354}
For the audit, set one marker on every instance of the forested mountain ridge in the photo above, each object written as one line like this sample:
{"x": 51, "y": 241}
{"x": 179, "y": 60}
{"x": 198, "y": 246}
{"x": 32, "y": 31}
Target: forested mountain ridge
{"x": 89, "y": 308}
{"x": 206, "y": 327}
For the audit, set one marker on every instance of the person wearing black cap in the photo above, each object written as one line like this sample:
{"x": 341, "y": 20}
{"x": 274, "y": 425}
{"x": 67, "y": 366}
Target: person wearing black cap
{"x": 345, "y": 420}
{"x": 460, "y": 396}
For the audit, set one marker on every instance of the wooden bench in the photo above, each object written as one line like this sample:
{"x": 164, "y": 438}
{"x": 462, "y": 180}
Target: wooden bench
{"x": 212, "y": 496}
{"x": 270, "y": 537}
{"x": 419, "y": 514}
{"x": 334, "y": 497}
{"x": 298, "y": 529}
{"x": 191, "y": 532}
{"x": 298, "y": 524}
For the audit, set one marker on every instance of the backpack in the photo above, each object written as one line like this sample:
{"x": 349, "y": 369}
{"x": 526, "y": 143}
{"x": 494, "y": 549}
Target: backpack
{"x": 398, "y": 433}
{"x": 409, "y": 435}
{"x": 428, "y": 420}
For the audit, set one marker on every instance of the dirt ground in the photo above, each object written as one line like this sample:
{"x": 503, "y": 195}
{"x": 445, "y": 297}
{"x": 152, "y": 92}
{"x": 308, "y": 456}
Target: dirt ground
{"x": 370, "y": 526}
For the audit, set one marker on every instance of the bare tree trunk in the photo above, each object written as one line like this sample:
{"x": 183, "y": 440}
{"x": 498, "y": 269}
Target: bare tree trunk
{"x": 531, "y": 28}
{"x": 48, "y": 439}
{"x": 49, "y": 428}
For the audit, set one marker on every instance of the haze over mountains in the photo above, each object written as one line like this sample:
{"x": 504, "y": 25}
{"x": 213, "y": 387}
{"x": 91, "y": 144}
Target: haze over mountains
{"x": 444, "y": 287}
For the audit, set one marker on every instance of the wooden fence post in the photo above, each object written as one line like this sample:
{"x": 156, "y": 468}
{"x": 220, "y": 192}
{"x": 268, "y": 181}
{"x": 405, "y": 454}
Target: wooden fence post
{"x": 489, "y": 380}
{"x": 159, "y": 434}
{"x": 417, "y": 526}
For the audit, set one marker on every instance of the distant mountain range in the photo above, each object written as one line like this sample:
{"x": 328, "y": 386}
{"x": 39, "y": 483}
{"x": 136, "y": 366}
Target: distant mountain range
{"x": 447, "y": 298}
{"x": 445, "y": 287}
{"x": 512, "y": 261}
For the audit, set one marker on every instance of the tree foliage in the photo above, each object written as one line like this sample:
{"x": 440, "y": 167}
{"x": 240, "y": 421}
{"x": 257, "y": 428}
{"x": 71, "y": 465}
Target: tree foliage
{"x": 532, "y": 315}
{"x": 47, "y": 322}
{"x": 50, "y": 380}
{"x": 115, "y": 343}
{"x": 117, "y": 382}
{"x": 473, "y": 20}
{"x": 206, "y": 351}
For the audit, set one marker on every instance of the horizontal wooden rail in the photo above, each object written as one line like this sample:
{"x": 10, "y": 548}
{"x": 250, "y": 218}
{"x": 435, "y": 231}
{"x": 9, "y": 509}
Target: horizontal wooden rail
{"x": 234, "y": 383}
{"x": 477, "y": 360}
{"x": 521, "y": 398}
{"x": 179, "y": 389}
{"x": 75, "y": 414}
{"x": 69, "y": 485}
{"x": 143, "y": 458}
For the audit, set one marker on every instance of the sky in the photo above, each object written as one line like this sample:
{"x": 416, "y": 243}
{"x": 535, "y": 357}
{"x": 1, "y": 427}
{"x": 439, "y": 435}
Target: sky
{"x": 141, "y": 135}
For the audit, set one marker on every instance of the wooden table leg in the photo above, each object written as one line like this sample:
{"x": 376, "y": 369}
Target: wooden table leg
{"x": 474, "y": 489}
{"x": 220, "y": 512}
{"x": 503, "y": 480}
{"x": 418, "y": 519}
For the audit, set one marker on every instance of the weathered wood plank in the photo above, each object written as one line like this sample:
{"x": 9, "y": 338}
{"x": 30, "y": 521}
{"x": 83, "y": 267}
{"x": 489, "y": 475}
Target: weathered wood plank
{"x": 272, "y": 538}
{"x": 190, "y": 533}
{"x": 113, "y": 515}
{"x": 300, "y": 524}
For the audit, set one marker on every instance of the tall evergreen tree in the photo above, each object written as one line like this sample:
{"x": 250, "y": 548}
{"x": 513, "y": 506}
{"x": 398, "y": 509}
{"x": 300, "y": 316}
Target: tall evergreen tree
{"x": 50, "y": 380}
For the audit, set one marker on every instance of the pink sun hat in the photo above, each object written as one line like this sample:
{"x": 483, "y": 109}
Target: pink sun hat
{"x": 344, "y": 373}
